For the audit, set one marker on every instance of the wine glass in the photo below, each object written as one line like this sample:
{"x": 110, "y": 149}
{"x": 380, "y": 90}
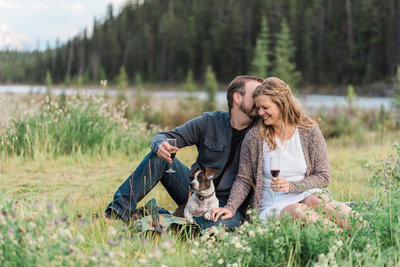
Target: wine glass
{"x": 171, "y": 142}
{"x": 275, "y": 165}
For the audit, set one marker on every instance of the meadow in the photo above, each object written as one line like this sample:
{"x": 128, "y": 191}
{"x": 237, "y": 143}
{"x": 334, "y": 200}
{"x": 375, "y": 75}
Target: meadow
{"x": 62, "y": 160}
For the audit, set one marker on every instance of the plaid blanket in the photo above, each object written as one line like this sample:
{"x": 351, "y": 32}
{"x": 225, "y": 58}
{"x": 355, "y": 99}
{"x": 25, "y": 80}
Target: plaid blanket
{"x": 151, "y": 217}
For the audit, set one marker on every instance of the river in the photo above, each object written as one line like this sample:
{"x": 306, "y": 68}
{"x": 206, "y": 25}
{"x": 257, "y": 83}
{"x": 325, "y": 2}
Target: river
{"x": 311, "y": 101}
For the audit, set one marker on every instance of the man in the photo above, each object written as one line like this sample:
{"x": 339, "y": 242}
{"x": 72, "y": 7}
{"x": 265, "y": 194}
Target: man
{"x": 217, "y": 135}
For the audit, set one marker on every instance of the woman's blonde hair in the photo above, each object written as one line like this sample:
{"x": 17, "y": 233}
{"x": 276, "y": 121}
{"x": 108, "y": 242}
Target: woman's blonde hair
{"x": 292, "y": 112}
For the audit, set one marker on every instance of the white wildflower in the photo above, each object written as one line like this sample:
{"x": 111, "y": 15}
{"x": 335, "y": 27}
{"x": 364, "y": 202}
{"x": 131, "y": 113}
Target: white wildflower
{"x": 238, "y": 245}
{"x": 112, "y": 231}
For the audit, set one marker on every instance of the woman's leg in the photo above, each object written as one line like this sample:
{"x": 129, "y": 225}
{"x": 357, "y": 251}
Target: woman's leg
{"x": 336, "y": 211}
{"x": 306, "y": 214}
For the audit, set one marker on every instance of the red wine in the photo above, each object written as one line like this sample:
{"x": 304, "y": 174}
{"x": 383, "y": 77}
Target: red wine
{"x": 173, "y": 153}
{"x": 275, "y": 173}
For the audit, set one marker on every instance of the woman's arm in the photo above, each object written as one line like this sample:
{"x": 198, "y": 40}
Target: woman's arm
{"x": 245, "y": 178}
{"x": 320, "y": 173}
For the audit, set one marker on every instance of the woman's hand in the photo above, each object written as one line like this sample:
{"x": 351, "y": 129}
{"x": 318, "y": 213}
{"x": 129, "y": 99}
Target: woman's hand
{"x": 280, "y": 184}
{"x": 215, "y": 213}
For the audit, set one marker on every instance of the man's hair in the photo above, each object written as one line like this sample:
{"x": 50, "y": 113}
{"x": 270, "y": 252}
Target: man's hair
{"x": 237, "y": 86}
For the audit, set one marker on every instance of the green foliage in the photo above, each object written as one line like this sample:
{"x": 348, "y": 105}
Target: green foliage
{"x": 387, "y": 176}
{"x": 260, "y": 64}
{"x": 373, "y": 240}
{"x": 122, "y": 85}
{"x": 139, "y": 90}
{"x": 37, "y": 234}
{"x": 49, "y": 83}
{"x": 396, "y": 95}
{"x": 67, "y": 80}
{"x": 85, "y": 124}
{"x": 189, "y": 85}
{"x": 211, "y": 87}
{"x": 351, "y": 96}
{"x": 164, "y": 39}
{"x": 284, "y": 67}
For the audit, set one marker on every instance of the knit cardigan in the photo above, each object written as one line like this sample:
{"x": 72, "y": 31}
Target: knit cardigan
{"x": 251, "y": 161}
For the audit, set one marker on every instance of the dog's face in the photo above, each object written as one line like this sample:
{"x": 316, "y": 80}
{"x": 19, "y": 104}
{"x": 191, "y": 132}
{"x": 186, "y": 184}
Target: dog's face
{"x": 201, "y": 179}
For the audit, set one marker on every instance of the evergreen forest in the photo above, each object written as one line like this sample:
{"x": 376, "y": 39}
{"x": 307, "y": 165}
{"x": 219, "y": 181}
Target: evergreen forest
{"x": 322, "y": 42}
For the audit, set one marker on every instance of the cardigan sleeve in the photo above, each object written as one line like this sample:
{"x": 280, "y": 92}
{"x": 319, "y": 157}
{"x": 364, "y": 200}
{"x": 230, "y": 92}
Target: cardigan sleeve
{"x": 245, "y": 178}
{"x": 319, "y": 176}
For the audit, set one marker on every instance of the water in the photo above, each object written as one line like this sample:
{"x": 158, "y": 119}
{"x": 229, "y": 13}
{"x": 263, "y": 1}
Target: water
{"x": 312, "y": 101}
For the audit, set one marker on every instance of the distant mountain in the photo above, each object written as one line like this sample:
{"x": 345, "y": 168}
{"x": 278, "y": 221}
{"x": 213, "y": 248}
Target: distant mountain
{"x": 11, "y": 40}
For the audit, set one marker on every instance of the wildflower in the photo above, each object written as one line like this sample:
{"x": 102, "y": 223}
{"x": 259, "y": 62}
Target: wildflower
{"x": 196, "y": 243}
{"x": 142, "y": 261}
{"x": 238, "y": 245}
{"x": 220, "y": 261}
{"x": 2, "y": 220}
{"x": 251, "y": 233}
{"x": 49, "y": 205}
{"x": 112, "y": 243}
{"x": 79, "y": 239}
{"x": 112, "y": 231}
{"x": 157, "y": 252}
{"x": 32, "y": 225}
{"x": 163, "y": 265}
{"x": 234, "y": 264}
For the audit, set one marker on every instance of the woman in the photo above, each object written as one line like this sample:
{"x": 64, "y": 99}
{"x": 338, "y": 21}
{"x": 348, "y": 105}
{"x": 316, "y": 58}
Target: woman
{"x": 284, "y": 130}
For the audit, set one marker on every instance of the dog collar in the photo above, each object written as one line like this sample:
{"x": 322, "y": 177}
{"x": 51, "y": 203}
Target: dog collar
{"x": 205, "y": 197}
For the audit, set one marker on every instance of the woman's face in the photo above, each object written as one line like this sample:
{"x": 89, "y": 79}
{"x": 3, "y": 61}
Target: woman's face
{"x": 268, "y": 110}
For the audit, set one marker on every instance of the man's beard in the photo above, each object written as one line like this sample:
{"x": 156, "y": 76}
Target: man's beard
{"x": 248, "y": 111}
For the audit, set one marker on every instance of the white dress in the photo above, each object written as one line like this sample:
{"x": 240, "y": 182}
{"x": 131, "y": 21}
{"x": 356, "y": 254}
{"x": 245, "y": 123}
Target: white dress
{"x": 292, "y": 167}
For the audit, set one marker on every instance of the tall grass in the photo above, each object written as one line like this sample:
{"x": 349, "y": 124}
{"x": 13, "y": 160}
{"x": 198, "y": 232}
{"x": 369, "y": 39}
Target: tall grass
{"x": 83, "y": 124}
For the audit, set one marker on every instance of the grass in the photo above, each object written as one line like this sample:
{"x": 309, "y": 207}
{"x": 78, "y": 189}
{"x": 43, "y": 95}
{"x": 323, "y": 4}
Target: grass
{"x": 57, "y": 200}
{"x": 88, "y": 183}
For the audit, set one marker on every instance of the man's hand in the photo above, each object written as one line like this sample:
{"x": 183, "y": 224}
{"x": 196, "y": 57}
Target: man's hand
{"x": 215, "y": 213}
{"x": 164, "y": 149}
{"x": 280, "y": 184}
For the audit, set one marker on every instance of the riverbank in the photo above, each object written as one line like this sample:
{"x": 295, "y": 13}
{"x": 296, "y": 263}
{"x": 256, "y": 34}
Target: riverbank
{"x": 310, "y": 100}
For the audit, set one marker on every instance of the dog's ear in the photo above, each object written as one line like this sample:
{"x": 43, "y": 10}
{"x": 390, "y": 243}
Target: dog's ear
{"x": 211, "y": 173}
{"x": 194, "y": 171}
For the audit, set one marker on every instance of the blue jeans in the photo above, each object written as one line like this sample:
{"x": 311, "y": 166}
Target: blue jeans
{"x": 151, "y": 171}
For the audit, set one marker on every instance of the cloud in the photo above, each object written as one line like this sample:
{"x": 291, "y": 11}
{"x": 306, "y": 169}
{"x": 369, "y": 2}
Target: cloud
{"x": 40, "y": 6}
{"x": 77, "y": 9}
{"x": 10, "y": 4}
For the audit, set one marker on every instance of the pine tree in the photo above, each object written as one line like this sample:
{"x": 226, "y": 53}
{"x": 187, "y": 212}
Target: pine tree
{"x": 260, "y": 63}
{"x": 284, "y": 68}
{"x": 211, "y": 87}
{"x": 351, "y": 96}
{"x": 122, "y": 84}
{"x": 396, "y": 96}
{"x": 49, "y": 82}
{"x": 189, "y": 85}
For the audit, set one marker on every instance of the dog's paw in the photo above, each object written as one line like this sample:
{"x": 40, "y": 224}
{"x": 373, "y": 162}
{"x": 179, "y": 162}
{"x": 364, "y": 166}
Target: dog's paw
{"x": 191, "y": 220}
{"x": 207, "y": 216}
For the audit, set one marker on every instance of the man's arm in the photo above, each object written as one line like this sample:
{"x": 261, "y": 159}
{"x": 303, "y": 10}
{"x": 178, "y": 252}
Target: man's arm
{"x": 187, "y": 134}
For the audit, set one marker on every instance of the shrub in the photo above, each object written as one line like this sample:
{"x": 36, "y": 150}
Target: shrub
{"x": 85, "y": 124}
{"x": 280, "y": 242}
{"x": 38, "y": 235}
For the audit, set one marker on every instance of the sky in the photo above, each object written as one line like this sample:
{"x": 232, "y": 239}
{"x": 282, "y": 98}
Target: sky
{"x": 43, "y": 21}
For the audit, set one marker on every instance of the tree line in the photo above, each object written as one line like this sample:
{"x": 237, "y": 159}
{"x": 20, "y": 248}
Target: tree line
{"x": 320, "y": 42}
